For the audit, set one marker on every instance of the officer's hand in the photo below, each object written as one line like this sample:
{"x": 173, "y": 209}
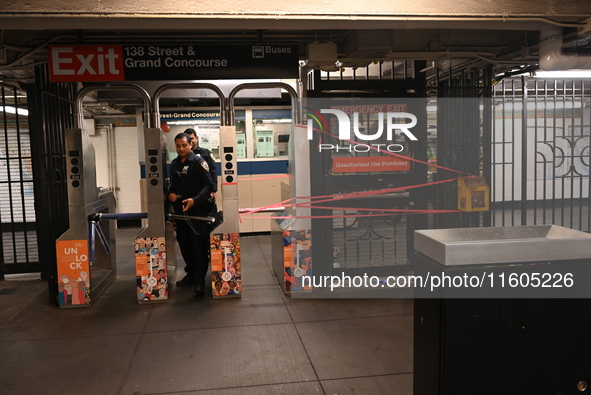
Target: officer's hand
{"x": 187, "y": 204}
{"x": 213, "y": 195}
{"x": 172, "y": 197}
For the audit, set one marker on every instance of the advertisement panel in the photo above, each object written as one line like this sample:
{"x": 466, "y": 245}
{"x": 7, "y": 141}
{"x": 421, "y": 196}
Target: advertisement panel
{"x": 73, "y": 272}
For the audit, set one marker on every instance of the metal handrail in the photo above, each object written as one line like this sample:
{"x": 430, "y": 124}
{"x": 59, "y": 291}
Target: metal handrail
{"x": 264, "y": 85}
{"x": 189, "y": 85}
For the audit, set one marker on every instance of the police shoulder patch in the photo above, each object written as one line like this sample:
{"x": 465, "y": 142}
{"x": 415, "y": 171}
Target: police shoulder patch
{"x": 204, "y": 165}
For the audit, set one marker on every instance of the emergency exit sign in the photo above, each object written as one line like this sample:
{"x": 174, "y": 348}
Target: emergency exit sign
{"x": 79, "y": 63}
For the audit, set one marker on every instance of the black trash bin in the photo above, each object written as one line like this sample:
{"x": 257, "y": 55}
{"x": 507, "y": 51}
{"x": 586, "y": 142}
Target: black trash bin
{"x": 517, "y": 339}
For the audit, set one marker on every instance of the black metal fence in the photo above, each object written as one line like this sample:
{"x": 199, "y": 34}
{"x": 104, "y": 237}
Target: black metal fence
{"x": 17, "y": 211}
{"x": 530, "y": 138}
{"x": 541, "y": 133}
{"x": 365, "y": 244}
{"x": 51, "y": 108}
{"x": 461, "y": 143}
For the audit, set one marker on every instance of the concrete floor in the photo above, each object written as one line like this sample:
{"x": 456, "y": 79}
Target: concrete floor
{"x": 262, "y": 343}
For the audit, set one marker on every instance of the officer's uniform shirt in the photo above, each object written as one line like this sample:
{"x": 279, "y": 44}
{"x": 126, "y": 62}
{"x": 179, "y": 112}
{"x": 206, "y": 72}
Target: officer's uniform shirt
{"x": 191, "y": 179}
{"x": 208, "y": 157}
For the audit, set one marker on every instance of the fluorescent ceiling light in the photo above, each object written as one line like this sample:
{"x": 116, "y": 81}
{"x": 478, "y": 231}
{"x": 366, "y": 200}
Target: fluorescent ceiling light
{"x": 563, "y": 74}
{"x": 12, "y": 110}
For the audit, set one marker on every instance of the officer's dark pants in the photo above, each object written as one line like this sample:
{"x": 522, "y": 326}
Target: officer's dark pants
{"x": 194, "y": 247}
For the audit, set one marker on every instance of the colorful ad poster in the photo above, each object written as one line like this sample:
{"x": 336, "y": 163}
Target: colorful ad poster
{"x": 226, "y": 267}
{"x": 297, "y": 259}
{"x": 150, "y": 269}
{"x": 73, "y": 272}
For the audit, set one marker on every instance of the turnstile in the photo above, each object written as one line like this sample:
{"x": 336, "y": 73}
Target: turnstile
{"x": 154, "y": 245}
{"x": 81, "y": 280}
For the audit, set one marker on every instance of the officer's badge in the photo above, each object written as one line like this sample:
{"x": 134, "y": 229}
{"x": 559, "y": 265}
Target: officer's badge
{"x": 205, "y": 166}
{"x": 185, "y": 170}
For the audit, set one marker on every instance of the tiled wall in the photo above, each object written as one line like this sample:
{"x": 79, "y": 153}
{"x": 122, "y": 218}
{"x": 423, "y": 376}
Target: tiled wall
{"x": 257, "y": 193}
{"x": 127, "y": 166}
{"x": 128, "y": 169}
{"x": 99, "y": 141}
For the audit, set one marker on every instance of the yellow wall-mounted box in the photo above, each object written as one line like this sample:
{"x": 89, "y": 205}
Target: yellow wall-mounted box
{"x": 473, "y": 194}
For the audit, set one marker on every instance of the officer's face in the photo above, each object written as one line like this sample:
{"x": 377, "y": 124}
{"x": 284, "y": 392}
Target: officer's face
{"x": 193, "y": 141}
{"x": 183, "y": 147}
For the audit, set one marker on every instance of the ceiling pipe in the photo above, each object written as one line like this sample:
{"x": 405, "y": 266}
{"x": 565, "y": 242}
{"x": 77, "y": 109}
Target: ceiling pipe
{"x": 552, "y": 55}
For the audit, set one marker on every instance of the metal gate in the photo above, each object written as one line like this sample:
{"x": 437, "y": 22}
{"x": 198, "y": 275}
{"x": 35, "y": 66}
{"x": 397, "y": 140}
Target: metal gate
{"x": 52, "y": 108}
{"x": 359, "y": 238}
{"x": 17, "y": 211}
{"x": 541, "y": 132}
{"x": 462, "y": 128}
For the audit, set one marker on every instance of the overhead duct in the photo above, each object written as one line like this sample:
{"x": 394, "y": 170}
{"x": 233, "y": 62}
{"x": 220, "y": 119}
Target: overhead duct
{"x": 322, "y": 56}
{"x": 369, "y": 44}
{"x": 552, "y": 55}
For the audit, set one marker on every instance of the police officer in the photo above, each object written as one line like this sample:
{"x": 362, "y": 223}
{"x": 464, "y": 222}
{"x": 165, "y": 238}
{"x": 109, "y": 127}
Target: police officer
{"x": 189, "y": 193}
{"x": 206, "y": 155}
